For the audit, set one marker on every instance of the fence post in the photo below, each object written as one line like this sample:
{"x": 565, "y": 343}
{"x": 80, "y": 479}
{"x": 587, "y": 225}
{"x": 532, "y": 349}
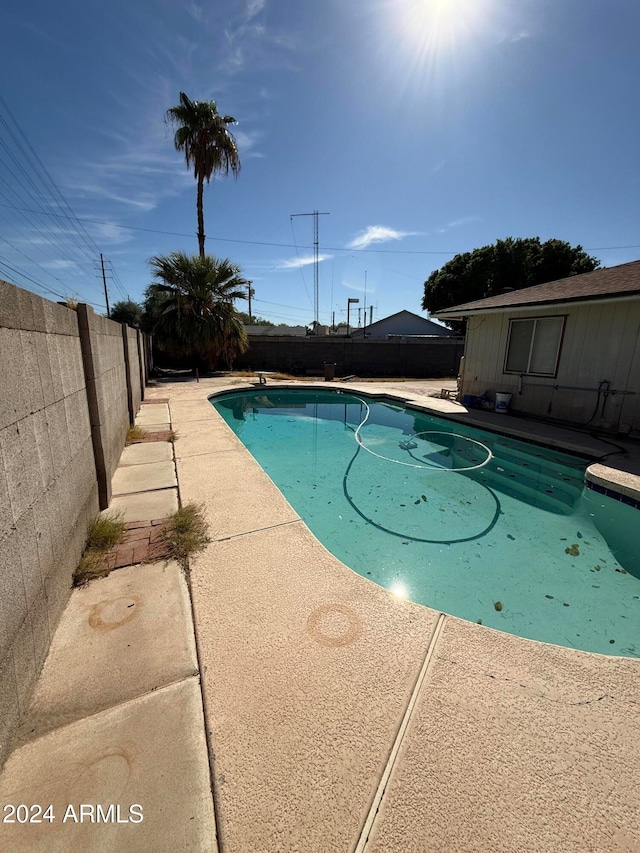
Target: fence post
{"x": 141, "y": 364}
{"x": 97, "y": 439}
{"x": 127, "y": 373}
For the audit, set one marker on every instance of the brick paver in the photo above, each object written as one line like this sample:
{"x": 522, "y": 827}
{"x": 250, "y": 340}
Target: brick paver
{"x": 142, "y": 543}
{"x": 160, "y": 435}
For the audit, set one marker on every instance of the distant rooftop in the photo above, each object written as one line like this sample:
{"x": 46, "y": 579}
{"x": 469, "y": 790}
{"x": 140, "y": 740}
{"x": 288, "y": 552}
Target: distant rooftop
{"x": 271, "y": 331}
{"x": 402, "y": 324}
{"x": 610, "y": 282}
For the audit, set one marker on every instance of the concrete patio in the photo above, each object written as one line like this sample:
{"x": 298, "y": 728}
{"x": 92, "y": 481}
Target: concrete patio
{"x": 278, "y": 701}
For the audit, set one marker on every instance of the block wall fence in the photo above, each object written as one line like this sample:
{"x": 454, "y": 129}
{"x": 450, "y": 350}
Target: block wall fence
{"x": 416, "y": 358}
{"x": 72, "y": 382}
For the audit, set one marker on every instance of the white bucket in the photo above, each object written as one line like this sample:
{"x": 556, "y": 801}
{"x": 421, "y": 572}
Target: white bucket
{"x": 503, "y": 401}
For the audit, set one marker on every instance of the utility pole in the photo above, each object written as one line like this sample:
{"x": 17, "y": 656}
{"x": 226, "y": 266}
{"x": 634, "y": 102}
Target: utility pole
{"x": 316, "y": 277}
{"x": 350, "y": 301}
{"x": 249, "y": 295}
{"x": 104, "y": 281}
{"x": 364, "y": 329}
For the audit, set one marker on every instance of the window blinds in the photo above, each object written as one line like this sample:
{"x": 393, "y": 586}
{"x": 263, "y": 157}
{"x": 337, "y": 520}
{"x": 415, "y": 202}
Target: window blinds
{"x": 534, "y": 345}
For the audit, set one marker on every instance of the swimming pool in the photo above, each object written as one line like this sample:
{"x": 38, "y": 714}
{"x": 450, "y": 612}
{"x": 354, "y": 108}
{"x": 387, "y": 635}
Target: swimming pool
{"x": 466, "y": 521}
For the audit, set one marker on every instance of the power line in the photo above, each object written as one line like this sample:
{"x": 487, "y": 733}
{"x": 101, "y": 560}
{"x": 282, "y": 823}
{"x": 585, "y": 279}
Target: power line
{"x": 42, "y": 173}
{"x": 38, "y": 197}
{"x": 281, "y": 305}
{"x": 294, "y": 245}
{"x": 50, "y": 238}
{"x": 25, "y": 178}
{"x": 33, "y": 281}
{"x": 31, "y": 260}
{"x": 293, "y": 234}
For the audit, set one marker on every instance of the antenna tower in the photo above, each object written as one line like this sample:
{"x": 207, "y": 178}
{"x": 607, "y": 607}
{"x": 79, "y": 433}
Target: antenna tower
{"x": 316, "y": 272}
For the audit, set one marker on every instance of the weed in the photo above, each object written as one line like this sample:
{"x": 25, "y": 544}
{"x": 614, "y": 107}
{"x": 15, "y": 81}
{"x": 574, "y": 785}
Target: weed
{"x": 185, "y": 533}
{"x": 91, "y": 566}
{"x": 105, "y": 531}
{"x": 173, "y": 436}
{"x": 135, "y": 433}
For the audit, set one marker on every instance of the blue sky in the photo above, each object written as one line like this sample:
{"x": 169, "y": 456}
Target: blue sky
{"x": 423, "y": 127}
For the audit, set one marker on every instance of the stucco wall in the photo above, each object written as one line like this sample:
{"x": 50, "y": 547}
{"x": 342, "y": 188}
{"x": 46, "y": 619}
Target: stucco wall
{"x": 62, "y": 397}
{"x": 48, "y": 489}
{"x": 600, "y": 342}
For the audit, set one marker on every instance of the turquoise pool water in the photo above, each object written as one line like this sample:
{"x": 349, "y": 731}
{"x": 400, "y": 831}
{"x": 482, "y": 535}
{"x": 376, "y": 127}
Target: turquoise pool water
{"x": 519, "y": 544}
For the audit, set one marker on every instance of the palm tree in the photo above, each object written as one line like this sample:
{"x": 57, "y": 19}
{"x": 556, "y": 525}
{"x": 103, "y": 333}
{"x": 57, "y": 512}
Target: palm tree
{"x": 208, "y": 145}
{"x": 194, "y": 313}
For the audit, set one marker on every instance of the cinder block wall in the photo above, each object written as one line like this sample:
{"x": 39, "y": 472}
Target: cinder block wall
{"x": 48, "y": 488}
{"x": 106, "y": 378}
{"x": 65, "y": 407}
{"x": 429, "y": 357}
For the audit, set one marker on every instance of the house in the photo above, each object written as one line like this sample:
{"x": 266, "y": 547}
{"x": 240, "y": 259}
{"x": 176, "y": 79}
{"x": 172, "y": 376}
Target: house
{"x": 568, "y": 350}
{"x": 403, "y": 324}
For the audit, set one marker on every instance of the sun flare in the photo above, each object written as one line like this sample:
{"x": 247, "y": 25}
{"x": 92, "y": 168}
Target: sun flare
{"x": 399, "y": 589}
{"x": 437, "y": 26}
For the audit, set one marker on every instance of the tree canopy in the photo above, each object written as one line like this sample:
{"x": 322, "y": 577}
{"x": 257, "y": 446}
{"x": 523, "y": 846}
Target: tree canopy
{"x": 509, "y": 264}
{"x": 127, "y": 311}
{"x": 191, "y": 307}
{"x": 254, "y": 320}
{"x": 203, "y": 136}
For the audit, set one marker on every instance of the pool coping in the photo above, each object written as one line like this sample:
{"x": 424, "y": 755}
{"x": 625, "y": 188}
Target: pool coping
{"x": 529, "y": 674}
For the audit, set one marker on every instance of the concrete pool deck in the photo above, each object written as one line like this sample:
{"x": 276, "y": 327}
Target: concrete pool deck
{"x": 337, "y": 716}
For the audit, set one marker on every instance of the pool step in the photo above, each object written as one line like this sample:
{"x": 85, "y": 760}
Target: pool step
{"x": 539, "y": 481}
{"x": 553, "y": 498}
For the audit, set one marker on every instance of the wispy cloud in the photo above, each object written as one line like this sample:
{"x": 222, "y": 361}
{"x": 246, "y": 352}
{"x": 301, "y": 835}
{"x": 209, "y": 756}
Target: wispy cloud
{"x": 243, "y": 32}
{"x": 376, "y": 234}
{"x": 195, "y": 11}
{"x": 464, "y": 220}
{"x": 59, "y": 264}
{"x": 438, "y": 167}
{"x": 458, "y": 223}
{"x": 137, "y": 178}
{"x": 247, "y": 140}
{"x": 110, "y": 233}
{"x": 359, "y": 288}
{"x": 254, "y": 7}
{"x": 303, "y": 261}
{"x": 513, "y": 36}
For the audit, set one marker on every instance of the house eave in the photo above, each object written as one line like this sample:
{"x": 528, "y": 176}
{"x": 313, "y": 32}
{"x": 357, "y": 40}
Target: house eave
{"x": 534, "y": 306}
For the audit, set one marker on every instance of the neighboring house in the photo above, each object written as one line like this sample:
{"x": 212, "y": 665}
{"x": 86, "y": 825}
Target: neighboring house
{"x": 567, "y": 350}
{"x": 271, "y": 331}
{"x": 403, "y": 324}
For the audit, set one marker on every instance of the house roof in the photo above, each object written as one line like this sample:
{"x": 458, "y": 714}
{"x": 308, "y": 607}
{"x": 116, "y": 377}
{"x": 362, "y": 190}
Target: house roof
{"x": 271, "y": 331}
{"x": 425, "y": 321}
{"x": 607, "y": 283}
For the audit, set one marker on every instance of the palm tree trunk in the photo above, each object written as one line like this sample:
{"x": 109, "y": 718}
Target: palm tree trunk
{"x": 200, "y": 216}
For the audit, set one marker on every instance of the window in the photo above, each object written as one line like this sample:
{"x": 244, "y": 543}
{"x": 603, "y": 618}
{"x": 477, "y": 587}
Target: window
{"x": 534, "y": 345}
